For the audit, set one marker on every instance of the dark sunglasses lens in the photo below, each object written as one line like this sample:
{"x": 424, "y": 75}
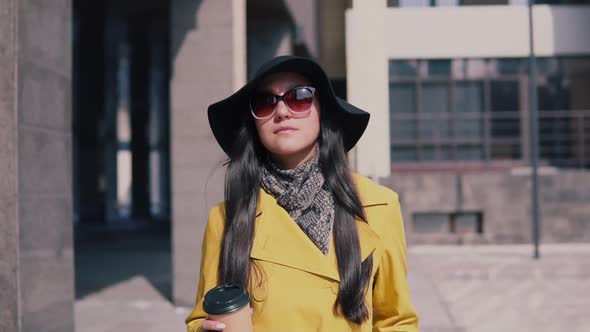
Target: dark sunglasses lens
{"x": 299, "y": 99}
{"x": 263, "y": 105}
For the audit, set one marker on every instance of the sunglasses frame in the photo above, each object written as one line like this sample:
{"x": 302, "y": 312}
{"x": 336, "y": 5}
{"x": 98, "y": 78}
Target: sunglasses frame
{"x": 282, "y": 97}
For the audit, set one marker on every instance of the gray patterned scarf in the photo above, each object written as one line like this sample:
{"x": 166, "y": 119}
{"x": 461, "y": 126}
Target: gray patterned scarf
{"x": 301, "y": 191}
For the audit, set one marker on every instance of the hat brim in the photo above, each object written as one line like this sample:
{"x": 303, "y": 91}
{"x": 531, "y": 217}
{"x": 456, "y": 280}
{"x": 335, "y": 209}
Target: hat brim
{"x": 225, "y": 123}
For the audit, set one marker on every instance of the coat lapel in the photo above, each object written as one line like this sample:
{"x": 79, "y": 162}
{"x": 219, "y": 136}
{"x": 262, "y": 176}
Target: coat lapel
{"x": 279, "y": 239}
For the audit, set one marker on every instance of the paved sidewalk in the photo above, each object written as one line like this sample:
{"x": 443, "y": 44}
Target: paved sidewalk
{"x": 131, "y": 305}
{"x": 454, "y": 288}
{"x": 124, "y": 284}
{"x": 501, "y": 288}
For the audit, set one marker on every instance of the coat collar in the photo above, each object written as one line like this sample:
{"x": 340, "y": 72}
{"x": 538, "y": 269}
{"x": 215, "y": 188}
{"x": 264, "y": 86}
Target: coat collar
{"x": 367, "y": 196}
{"x": 279, "y": 239}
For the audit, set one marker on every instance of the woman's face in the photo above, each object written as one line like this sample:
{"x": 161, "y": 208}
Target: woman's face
{"x": 290, "y": 138}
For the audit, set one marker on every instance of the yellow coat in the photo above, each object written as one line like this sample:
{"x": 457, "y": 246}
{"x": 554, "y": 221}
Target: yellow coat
{"x": 300, "y": 284}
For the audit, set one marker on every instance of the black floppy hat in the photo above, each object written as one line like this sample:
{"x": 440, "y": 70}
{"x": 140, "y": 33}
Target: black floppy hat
{"x": 225, "y": 121}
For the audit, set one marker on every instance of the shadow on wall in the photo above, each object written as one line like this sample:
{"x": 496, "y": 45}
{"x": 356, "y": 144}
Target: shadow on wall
{"x": 184, "y": 14}
{"x": 270, "y": 30}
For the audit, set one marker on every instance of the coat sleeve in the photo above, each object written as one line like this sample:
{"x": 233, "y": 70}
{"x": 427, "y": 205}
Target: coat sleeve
{"x": 208, "y": 277}
{"x": 392, "y": 307}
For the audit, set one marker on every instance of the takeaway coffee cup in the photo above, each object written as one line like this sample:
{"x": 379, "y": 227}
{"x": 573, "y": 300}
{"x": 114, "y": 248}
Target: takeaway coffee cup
{"x": 229, "y": 304}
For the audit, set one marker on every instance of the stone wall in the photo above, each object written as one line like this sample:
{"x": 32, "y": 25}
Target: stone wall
{"x": 504, "y": 201}
{"x": 36, "y": 254}
{"x": 204, "y": 56}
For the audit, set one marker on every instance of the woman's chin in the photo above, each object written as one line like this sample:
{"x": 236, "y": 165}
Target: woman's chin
{"x": 286, "y": 150}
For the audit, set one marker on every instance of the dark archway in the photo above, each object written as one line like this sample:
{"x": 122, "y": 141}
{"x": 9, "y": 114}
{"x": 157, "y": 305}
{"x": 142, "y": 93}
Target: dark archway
{"x": 121, "y": 148}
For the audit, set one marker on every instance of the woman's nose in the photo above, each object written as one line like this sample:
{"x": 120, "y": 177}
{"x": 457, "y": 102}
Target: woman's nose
{"x": 282, "y": 111}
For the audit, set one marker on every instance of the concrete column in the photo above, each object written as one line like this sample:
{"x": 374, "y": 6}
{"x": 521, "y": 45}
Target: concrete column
{"x": 208, "y": 64}
{"x": 367, "y": 84}
{"x": 267, "y": 38}
{"x": 305, "y": 14}
{"x": 332, "y": 50}
{"x": 36, "y": 255}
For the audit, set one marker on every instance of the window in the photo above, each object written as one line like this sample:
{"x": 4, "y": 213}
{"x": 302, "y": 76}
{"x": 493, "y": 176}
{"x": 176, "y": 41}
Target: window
{"x": 439, "y": 67}
{"x": 430, "y": 222}
{"x": 460, "y": 222}
{"x": 562, "y": 94}
{"x": 505, "y": 118}
{"x": 561, "y": 2}
{"x": 476, "y": 109}
{"x": 466, "y": 222}
{"x": 484, "y": 2}
{"x": 444, "y": 3}
{"x": 404, "y": 68}
{"x": 436, "y": 109}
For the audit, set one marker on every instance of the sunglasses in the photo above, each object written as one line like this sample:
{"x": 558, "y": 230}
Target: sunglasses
{"x": 298, "y": 100}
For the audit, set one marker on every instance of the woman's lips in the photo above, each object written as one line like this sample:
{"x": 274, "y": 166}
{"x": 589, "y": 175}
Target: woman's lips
{"x": 285, "y": 130}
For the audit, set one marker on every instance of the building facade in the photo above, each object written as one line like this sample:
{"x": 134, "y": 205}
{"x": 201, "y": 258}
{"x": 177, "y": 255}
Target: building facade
{"x": 103, "y": 120}
{"x": 449, "y": 99}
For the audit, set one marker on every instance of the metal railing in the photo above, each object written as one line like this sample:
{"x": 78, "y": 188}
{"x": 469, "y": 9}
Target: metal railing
{"x": 492, "y": 137}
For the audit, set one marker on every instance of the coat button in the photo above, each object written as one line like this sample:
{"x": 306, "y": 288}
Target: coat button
{"x": 259, "y": 293}
{"x": 335, "y": 287}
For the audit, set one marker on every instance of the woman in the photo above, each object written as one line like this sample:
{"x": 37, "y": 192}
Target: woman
{"x": 319, "y": 249}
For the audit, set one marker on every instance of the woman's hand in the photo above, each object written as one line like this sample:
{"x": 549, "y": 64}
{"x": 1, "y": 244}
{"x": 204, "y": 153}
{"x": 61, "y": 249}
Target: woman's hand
{"x": 213, "y": 325}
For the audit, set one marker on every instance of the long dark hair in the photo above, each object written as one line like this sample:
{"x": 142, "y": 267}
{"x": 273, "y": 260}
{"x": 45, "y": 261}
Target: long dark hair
{"x": 242, "y": 183}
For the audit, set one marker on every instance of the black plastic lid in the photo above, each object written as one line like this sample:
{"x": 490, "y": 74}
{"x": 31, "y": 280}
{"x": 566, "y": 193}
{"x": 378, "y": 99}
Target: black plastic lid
{"x": 225, "y": 299}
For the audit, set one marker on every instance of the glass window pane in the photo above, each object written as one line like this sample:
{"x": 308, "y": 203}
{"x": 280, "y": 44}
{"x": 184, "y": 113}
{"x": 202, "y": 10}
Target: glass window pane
{"x": 435, "y": 129}
{"x": 505, "y": 121}
{"x": 483, "y": 2}
{"x": 436, "y": 153}
{"x": 470, "y": 152}
{"x": 467, "y": 223}
{"x": 468, "y": 97}
{"x": 430, "y": 222}
{"x": 428, "y": 153}
{"x": 505, "y": 128}
{"x": 414, "y": 3}
{"x": 402, "y": 97}
{"x": 404, "y": 153}
{"x": 435, "y": 97}
{"x": 556, "y": 140}
{"x": 548, "y": 66}
{"x": 505, "y": 151}
{"x": 428, "y": 129}
{"x": 402, "y": 130}
{"x": 561, "y": 2}
{"x": 445, "y": 152}
{"x": 553, "y": 94}
{"x": 510, "y": 66}
{"x": 439, "y": 67}
{"x": 405, "y": 68}
{"x": 505, "y": 95}
{"x": 560, "y": 155}
{"x": 444, "y": 3}
{"x": 468, "y": 128}
{"x": 577, "y": 69}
